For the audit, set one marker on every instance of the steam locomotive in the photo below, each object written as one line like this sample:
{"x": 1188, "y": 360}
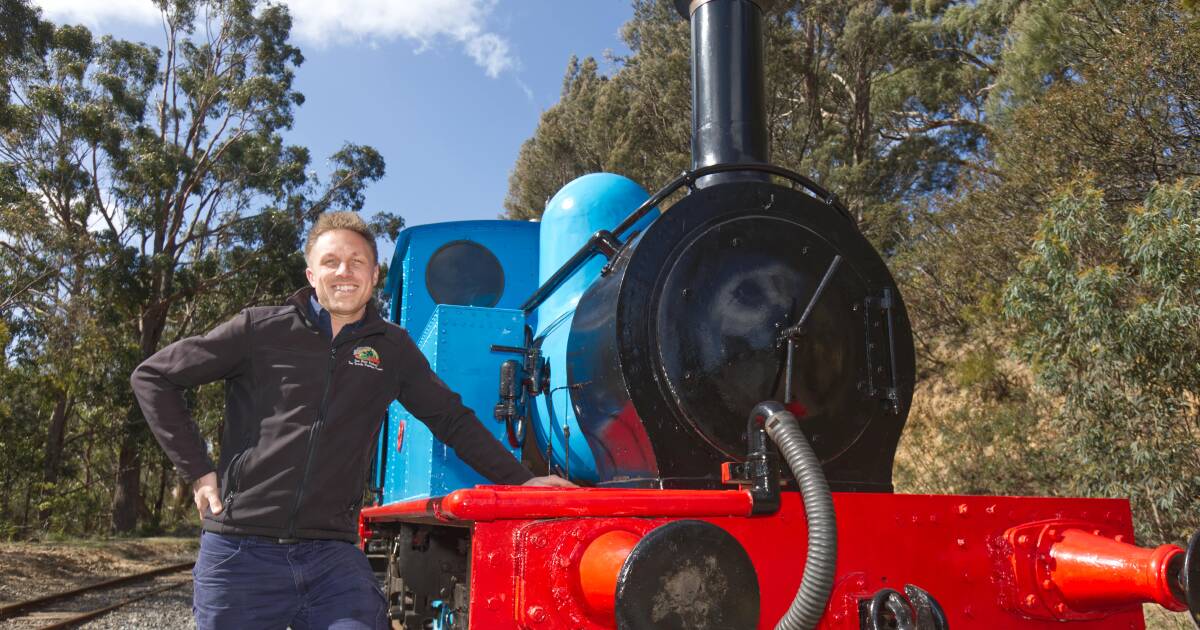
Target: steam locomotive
{"x": 728, "y": 380}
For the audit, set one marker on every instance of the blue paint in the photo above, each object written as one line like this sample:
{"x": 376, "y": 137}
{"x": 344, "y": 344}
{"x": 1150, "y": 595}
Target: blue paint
{"x": 457, "y": 339}
{"x": 599, "y": 201}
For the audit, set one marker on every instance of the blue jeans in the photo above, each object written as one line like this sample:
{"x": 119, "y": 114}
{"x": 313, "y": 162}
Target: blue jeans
{"x": 249, "y": 582}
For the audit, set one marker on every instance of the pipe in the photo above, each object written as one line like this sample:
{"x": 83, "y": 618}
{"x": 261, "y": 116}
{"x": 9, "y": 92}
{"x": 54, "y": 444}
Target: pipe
{"x": 729, "y": 111}
{"x": 821, "y": 561}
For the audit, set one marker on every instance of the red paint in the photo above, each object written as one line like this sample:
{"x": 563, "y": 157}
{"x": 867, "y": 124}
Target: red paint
{"x": 399, "y": 435}
{"x": 1071, "y": 570}
{"x": 598, "y": 567}
{"x": 528, "y": 545}
{"x": 490, "y": 503}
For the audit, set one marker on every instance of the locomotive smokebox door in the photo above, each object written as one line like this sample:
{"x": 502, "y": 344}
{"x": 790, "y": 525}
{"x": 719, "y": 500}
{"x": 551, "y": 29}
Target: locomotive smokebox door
{"x": 671, "y": 349}
{"x": 687, "y": 575}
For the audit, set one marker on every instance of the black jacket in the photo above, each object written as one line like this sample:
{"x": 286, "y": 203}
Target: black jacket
{"x": 300, "y": 415}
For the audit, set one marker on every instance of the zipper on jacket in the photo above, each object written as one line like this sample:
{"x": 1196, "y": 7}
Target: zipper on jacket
{"x": 313, "y": 433}
{"x": 235, "y": 481}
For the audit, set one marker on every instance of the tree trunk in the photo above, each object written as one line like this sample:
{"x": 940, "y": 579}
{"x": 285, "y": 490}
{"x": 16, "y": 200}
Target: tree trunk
{"x": 127, "y": 492}
{"x": 127, "y": 500}
{"x": 164, "y": 470}
{"x": 54, "y": 446}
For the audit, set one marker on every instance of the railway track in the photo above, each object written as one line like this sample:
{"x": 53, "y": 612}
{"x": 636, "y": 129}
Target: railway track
{"x": 99, "y": 599}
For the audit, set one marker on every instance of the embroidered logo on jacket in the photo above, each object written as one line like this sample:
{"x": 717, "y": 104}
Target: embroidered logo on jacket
{"x": 366, "y": 356}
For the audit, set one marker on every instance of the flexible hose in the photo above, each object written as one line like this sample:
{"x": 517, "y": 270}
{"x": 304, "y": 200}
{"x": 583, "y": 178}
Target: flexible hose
{"x": 817, "y": 584}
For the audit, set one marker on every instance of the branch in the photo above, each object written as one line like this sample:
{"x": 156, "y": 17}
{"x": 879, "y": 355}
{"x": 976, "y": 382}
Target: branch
{"x": 13, "y": 298}
{"x": 969, "y": 56}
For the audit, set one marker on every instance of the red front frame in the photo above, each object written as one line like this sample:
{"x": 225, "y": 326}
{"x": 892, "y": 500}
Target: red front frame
{"x": 526, "y": 544}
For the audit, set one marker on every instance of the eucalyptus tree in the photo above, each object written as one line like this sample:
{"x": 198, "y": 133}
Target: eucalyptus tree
{"x": 159, "y": 193}
{"x": 883, "y": 102}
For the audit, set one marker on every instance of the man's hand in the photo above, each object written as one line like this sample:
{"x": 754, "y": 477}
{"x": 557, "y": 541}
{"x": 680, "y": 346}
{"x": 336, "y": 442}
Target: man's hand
{"x": 550, "y": 480}
{"x": 207, "y": 495}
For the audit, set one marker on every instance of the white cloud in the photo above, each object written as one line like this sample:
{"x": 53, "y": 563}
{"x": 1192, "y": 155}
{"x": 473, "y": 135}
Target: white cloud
{"x": 93, "y": 12}
{"x": 426, "y": 23}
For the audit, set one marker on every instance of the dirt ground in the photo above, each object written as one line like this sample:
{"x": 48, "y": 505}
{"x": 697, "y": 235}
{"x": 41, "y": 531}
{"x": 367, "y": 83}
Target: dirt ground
{"x": 31, "y": 569}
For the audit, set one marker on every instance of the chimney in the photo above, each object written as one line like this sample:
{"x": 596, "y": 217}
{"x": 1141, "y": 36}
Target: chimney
{"x": 728, "y": 99}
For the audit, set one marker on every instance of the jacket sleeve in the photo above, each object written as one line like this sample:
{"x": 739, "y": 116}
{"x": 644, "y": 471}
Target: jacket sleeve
{"x": 425, "y": 396}
{"x": 160, "y": 381}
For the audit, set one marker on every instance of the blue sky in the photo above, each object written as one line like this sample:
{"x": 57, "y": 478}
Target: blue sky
{"x": 446, "y": 90}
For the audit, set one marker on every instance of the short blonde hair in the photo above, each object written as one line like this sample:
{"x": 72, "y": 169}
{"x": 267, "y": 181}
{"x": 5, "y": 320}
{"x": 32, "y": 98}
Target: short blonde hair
{"x": 330, "y": 221}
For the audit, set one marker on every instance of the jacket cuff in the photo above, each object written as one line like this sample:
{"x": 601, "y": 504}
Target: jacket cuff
{"x": 196, "y": 471}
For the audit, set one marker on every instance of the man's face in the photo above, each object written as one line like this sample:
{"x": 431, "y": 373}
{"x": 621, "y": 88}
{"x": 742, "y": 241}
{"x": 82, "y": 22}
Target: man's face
{"x": 342, "y": 270}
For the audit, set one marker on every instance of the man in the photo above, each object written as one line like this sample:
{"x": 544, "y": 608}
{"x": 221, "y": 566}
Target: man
{"x": 279, "y": 513}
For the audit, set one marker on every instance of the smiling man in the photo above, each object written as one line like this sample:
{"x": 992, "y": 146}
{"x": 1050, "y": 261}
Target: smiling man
{"x": 307, "y": 385}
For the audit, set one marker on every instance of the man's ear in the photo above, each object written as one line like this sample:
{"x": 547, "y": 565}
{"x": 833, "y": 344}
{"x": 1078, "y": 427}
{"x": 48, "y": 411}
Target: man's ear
{"x": 308, "y": 273}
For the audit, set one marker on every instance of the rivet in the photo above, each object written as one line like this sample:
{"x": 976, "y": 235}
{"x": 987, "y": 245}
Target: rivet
{"x": 1061, "y": 608}
{"x": 538, "y": 614}
{"x": 991, "y": 509}
{"x": 538, "y": 541}
{"x": 961, "y": 542}
{"x": 1023, "y": 540}
{"x": 1030, "y": 601}
{"x": 1119, "y": 538}
{"x": 1052, "y": 533}
{"x": 685, "y": 292}
{"x": 492, "y": 603}
{"x": 1047, "y": 585}
{"x": 804, "y": 250}
{"x": 737, "y": 242}
{"x": 962, "y": 509}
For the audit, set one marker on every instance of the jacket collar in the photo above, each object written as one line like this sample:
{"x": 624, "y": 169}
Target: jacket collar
{"x": 300, "y": 300}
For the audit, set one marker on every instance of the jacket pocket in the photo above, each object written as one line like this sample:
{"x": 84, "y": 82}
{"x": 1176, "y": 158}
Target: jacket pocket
{"x": 234, "y": 484}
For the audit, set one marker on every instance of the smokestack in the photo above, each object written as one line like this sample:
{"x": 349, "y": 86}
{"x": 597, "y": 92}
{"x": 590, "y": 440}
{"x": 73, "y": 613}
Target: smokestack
{"x": 729, "y": 119}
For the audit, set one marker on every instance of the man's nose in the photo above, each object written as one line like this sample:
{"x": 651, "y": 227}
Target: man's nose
{"x": 343, "y": 269}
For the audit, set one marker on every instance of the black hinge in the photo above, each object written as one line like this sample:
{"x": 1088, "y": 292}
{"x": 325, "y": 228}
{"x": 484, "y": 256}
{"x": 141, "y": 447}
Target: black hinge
{"x": 881, "y": 349}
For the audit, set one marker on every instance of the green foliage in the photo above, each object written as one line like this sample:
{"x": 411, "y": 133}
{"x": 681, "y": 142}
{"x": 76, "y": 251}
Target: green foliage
{"x": 948, "y": 127}
{"x": 882, "y": 103}
{"x": 968, "y": 445}
{"x": 1107, "y": 304}
{"x": 146, "y": 194}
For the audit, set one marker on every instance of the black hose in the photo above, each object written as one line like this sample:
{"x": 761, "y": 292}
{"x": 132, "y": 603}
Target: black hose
{"x": 819, "y": 566}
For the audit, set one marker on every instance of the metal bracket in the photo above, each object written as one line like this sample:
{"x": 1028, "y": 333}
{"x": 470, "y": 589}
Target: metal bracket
{"x": 888, "y": 609}
{"x": 879, "y": 315}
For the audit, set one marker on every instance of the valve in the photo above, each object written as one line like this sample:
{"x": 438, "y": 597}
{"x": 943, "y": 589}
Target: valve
{"x": 508, "y": 410}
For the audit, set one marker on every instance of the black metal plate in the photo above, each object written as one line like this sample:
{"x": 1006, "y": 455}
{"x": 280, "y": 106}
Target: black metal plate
{"x": 1190, "y": 578}
{"x": 687, "y": 575}
{"x": 662, "y": 381}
